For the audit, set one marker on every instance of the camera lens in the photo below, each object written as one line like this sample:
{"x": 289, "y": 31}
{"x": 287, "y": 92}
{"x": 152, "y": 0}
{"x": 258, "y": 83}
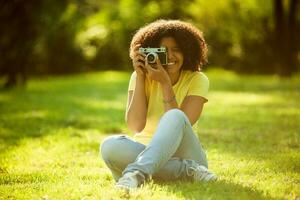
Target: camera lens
{"x": 151, "y": 57}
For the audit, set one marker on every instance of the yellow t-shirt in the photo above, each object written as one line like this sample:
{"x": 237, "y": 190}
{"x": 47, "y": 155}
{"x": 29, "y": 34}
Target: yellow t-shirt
{"x": 189, "y": 83}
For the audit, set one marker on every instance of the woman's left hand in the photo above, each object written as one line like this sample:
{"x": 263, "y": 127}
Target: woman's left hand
{"x": 157, "y": 72}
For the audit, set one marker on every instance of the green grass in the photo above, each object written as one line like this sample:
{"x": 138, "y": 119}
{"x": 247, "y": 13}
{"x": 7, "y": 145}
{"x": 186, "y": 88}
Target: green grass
{"x": 50, "y": 135}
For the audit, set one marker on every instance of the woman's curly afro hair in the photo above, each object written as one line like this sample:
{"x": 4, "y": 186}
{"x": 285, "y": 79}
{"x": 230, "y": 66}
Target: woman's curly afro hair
{"x": 189, "y": 39}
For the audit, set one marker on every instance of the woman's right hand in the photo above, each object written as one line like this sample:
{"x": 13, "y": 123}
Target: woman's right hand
{"x": 138, "y": 61}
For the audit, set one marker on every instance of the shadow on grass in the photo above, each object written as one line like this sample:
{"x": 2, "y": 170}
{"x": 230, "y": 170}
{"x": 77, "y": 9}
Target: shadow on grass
{"x": 216, "y": 190}
{"x": 49, "y": 106}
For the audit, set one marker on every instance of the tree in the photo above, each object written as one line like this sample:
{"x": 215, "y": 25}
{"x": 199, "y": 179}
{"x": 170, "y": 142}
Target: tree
{"x": 286, "y": 31}
{"x": 18, "y": 33}
{"x": 49, "y": 26}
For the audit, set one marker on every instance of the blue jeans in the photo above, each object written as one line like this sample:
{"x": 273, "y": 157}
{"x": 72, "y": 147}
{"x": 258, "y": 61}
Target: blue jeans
{"x": 173, "y": 148}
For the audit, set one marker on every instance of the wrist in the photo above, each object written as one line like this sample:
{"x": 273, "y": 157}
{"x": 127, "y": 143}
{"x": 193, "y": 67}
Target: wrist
{"x": 168, "y": 93}
{"x": 167, "y": 101}
{"x": 166, "y": 84}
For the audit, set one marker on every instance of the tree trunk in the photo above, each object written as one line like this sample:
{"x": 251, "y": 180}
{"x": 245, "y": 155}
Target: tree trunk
{"x": 285, "y": 43}
{"x": 291, "y": 48}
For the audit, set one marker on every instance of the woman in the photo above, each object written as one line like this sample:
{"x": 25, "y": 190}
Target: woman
{"x": 164, "y": 102}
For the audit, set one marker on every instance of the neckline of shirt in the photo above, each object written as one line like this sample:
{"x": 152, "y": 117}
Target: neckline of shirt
{"x": 179, "y": 79}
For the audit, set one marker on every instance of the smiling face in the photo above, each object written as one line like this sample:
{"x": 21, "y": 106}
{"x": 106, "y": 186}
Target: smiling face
{"x": 175, "y": 56}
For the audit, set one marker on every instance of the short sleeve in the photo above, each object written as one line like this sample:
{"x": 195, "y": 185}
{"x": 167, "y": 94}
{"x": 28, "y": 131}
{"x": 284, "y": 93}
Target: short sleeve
{"x": 199, "y": 85}
{"x": 132, "y": 81}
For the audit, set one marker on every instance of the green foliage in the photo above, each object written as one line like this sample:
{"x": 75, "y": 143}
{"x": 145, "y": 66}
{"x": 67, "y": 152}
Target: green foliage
{"x": 236, "y": 31}
{"x": 50, "y": 134}
{"x": 107, "y": 33}
{"x": 42, "y": 37}
{"x": 56, "y": 49}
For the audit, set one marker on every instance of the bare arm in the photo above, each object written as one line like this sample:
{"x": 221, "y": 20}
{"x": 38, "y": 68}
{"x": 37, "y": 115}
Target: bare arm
{"x": 192, "y": 105}
{"x": 136, "y": 110}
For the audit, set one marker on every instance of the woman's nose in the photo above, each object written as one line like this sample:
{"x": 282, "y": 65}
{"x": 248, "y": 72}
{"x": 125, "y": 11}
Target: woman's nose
{"x": 170, "y": 54}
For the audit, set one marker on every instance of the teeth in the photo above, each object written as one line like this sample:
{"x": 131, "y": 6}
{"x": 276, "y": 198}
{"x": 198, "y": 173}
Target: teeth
{"x": 171, "y": 63}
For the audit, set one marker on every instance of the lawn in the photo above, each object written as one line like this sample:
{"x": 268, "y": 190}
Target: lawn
{"x": 50, "y": 134}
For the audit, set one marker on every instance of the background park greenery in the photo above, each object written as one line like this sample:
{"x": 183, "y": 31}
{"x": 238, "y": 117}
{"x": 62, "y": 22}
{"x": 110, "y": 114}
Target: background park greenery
{"x": 54, "y": 36}
{"x": 50, "y": 130}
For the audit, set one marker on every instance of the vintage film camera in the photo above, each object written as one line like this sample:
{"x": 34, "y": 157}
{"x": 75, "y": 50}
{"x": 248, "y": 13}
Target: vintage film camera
{"x": 152, "y": 54}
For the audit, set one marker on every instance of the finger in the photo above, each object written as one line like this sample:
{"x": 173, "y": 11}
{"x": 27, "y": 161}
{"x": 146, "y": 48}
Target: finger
{"x": 140, "y": 57}
{"x": 137, "y": 54}
{"x": 140, "y": 69}
{"x": 149, "y": 67}
{"x": 137, "y": 51}
{"x": 144, "y": 70}
{"x": 159, "y": 65}
{"x": 136, "y": 47}
{"x": 139, "y": 64}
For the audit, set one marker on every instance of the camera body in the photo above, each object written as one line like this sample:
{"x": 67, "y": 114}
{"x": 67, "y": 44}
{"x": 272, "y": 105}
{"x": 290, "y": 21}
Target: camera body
{"x": 152, "y": 54}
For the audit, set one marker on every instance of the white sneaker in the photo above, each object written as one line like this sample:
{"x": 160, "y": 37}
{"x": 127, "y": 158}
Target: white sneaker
{"x": 128, "y": 181}
{"x": 201, "y": 173}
